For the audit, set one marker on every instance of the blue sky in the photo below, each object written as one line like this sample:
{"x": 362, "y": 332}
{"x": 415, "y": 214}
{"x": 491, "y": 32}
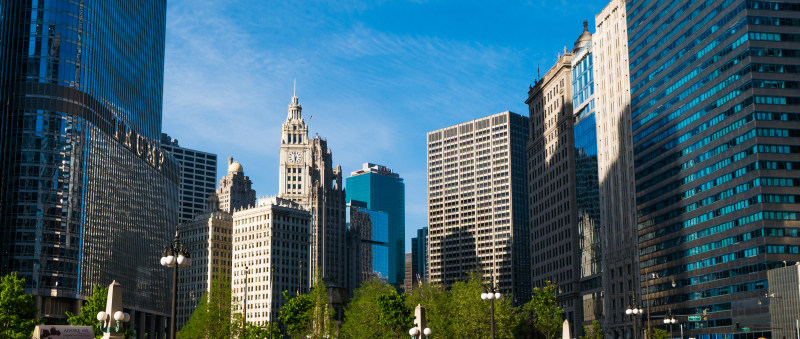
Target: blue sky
{"x": 375, "y": 75}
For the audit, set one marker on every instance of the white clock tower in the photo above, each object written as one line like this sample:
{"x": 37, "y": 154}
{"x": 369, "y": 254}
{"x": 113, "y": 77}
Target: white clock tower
{"x": 295, "y": 156}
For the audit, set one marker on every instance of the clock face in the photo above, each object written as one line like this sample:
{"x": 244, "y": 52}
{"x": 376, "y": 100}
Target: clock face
{"x": 294, "y": 157}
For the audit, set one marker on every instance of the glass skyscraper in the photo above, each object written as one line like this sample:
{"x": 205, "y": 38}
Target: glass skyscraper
{"x": 383, "y": 190}
{"x": 715, "y": 118}
{"x": 87, "y": 196}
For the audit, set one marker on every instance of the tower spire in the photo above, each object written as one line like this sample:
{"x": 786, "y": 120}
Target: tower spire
{"x": 295, "y": 110}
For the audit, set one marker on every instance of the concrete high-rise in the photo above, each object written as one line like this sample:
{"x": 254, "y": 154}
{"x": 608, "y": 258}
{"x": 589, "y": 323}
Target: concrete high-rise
{"x": 384, "y": 190}
{"x": 198, "y": 178}
{"x": 555, "y": 255}
{"x": 620, "y": 256}
{"x": 715, "y": 107}
{"x": 477, "y": 203}
{"x": 306, "y": 176}
{"x": 87, "y": 196}
{"x": 270, "y": 251}
{"x": 209, "y": 239}
{"x": 235, "y": 189}
{"x": 419, "y": 256}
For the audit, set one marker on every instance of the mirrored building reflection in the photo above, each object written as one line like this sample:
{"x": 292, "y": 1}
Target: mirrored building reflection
{"x": 87, "y": 196}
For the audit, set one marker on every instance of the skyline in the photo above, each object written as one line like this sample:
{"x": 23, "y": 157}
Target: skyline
{"x": 373, "y": 82}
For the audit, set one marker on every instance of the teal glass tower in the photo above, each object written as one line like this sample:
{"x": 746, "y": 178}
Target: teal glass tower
{"x": 383, "y": 190}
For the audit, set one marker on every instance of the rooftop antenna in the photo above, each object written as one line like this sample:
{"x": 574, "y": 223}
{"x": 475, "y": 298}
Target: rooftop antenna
{"x": 295, "y": 88}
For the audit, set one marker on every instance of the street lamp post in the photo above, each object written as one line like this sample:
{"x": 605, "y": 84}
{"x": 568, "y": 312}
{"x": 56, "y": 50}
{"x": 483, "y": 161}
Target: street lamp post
{"x": 633, "y": 310}
{"x": 420, "y": 324}
{"x": 174, "y": 256}
{"x": 491, "y": 293}
{"x": 650, "y": 278}
{"x": 670, "y": 320}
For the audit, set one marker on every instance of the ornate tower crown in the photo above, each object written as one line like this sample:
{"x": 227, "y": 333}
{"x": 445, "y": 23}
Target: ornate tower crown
{"x": 295, "y": 109}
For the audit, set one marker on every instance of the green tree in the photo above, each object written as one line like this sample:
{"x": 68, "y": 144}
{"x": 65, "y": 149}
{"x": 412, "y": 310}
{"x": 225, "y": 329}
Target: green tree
{"x": 470, "y": 313}
{"x": 212, "y": 316}
{"x": 394, "y": 314}
{"x": 321, "y": 316}
{"x": 374, "y": 297}
{"x": 543, "y": 312}
{"x": 593, "y": 332}
{"x": 88, "y": 314}
{"x": 436, "y": 302}
{"x": 17, "y": 310}
{"x": 296, "y": 314}
{"x": 657, "y": 333}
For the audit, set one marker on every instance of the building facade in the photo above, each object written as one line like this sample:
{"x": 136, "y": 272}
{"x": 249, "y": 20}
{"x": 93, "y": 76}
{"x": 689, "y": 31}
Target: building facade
{"x": 419, "y": 256}
{"x": 270, "y": 248}
{"x": 408, "y": 284}
{"x": 617, "y": 198}
{"x": 209, "y": 239}
{"x": 235, "y": 189}
{"x": 87, "y": 196}
{"x": 587, "y": 193}
{"x": 369, "y": 234}
{"x": 477, "y": 203}
{"x": 715, "y": 107}
{"x": 307, "y": 177}
{"x": 198, "y": 178}
{"x": 384, "y": 190}
{"x": 555, "y": 255}
{"x": 783, "y": 299}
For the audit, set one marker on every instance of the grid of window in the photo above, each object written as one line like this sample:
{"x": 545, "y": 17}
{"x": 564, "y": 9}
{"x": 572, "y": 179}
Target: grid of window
{"x": 715, "y": 105}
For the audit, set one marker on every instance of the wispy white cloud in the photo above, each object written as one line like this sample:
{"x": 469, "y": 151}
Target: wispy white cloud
{"x": 373, "y": 92}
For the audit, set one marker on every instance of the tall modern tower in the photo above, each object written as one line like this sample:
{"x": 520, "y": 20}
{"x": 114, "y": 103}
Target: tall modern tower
{"x": 620, "y": 256}
{"x": 384, "y": 190}
{"x": 307, "y": 177}
{"x": 477, "y": 203}
{"x": 87, "y": 196}
{"x": 198, "y": 178}
{"x": 715, "y": 106}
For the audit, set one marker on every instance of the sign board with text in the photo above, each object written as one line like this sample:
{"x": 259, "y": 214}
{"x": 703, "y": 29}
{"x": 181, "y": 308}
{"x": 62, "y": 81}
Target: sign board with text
{"x": 63, "y": 332}
{"x": 694, "y": 318}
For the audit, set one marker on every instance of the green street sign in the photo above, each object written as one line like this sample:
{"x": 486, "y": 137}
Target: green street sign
{"x": 694, "y": 318}
{"x": 745, "y": 329}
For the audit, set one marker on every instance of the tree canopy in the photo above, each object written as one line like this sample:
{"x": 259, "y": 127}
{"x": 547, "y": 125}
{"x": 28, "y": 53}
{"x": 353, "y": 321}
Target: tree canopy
{"x": 212, "y": 317}
{"x": 377, "y": 311}
{"x": 543, "y": 312}
{"x": 17, "y": 309}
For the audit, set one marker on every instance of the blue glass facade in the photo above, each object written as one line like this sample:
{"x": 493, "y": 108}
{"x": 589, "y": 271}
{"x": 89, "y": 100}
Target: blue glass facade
{"x": 86, "y": 194}
{"x": 587, "y": 194}
{"x": 384, "y": 191}
{"x": 715, "y": 103}
{"x": 369, "y": 231}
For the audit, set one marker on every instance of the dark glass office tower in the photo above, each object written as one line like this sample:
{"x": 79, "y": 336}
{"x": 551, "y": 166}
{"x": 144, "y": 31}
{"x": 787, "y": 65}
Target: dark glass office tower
{"x": 716, "y": 118}
{"x": 86, "y": 194}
